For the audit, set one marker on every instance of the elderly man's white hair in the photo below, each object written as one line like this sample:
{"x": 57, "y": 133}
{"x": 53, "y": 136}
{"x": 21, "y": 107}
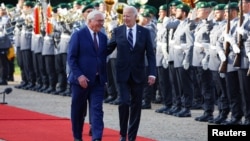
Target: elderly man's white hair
{"x": 93, "y": 13}
{"x": 131, "y": 8}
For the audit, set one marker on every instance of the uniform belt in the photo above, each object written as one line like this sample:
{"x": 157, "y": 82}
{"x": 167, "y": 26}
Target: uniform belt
{"x": 213, "y": 47}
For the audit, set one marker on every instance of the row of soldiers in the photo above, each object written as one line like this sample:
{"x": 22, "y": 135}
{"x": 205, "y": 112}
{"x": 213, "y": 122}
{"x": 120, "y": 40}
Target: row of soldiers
{"x": 199, "y": 42}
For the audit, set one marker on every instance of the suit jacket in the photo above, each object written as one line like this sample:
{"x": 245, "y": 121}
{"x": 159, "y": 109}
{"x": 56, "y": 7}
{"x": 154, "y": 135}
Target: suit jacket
{"x": 84, "y": 59}
{"x": 132, "y": 62}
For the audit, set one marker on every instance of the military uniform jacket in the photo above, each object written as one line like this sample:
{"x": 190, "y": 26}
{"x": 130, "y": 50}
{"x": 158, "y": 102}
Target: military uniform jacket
{"x": 221, "y": 45}
{"x": 246, "y": 42}
{"x": 201, "y": 35}
{"x": 37, "y": 43}
{"x": 181, "y": 50}
{"x": 213, "y": 58}
{"x": 48, "y": 45}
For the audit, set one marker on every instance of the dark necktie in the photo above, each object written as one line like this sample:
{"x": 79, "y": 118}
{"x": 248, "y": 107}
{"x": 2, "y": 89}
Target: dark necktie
{"x": 95, "y": 41}
{"x": 130, "y": 39}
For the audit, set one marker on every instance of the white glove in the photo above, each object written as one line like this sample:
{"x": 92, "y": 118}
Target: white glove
{"x": 235, "y": 48}
{"x": 193, "y": 14}
{"x": 228, "y": 38}
{"x": 211, "y": 16}
{"x": 222, "y": 56}
{"x": 222, "y": 75}
{"x": 164, "y": 50}
{"x": 240, "y": 30}
{"x": 164, "y": 63}
{"x": 248, "y": 55}
{"x": 204, "y": 64}
{"x": 185, "y": 64}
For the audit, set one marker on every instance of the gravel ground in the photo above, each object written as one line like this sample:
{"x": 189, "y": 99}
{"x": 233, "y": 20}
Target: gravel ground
{"x": 153, "y": 125}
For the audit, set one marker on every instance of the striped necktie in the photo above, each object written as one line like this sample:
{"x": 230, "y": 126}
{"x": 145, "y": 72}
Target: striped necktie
{"x": 130, "y": 39}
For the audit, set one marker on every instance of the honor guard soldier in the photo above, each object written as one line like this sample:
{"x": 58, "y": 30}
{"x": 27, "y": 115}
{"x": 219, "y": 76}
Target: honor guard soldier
{"x": 242, "y": 62}
{"x": 200, "y": 43}
{"x": 212, "y": 62}
{"x": 167, "y": 48}
{"x": 227, "y": 56}
{"x": 26, "y": 36}
{"x": 162, "y": 71}
{"x": 48, "y": 51}
{"x": 63, "y": 31}
{"x": 182, "y": 53}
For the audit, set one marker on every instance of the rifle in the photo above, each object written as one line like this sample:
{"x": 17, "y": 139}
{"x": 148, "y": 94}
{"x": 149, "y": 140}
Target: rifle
{"x": 223, "y": 65}
{"x": 237, "y": 60}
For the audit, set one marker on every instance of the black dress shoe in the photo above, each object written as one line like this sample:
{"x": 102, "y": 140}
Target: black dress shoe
{"x": 49, "y": 90}
{"x": 29, "y": 86}
{"x": 60, "y": 90}
{"x": 163, "y": 109}
{"x": 246, "y": 122}
{"x": 122, "y": 138}
{"x": 212, "y": 120}
{"x": 21, "y": 85}
{"x": 146, "y": 106}
{"x": 233, "y": 121}
{"x": 115, "y": 102}
{"x": 205, "y": 117}
{"x": 185, "y": 112}
{"x": 109, "y": 99}
{"x": 173, "y": 110}
{"x": 67, "y": 92}
{"x": 43, "y": 88}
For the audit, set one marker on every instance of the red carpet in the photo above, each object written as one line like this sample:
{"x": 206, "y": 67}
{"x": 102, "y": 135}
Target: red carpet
{"x": 23, "y": 125}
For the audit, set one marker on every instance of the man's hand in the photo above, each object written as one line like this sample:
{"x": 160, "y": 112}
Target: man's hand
{"x": 151, "y": 80}
{"x": 185, "y": 64}
{"x": 83, "y": 81}
{"x": 222, "y": 56}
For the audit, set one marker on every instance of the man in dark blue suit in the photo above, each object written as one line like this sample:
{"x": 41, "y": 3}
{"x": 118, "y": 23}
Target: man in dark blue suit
{"x": 133, "y": 42}
{"x": 87, "y": 61}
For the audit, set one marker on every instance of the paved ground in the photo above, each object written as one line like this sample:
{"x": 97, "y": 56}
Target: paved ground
{"x": 153, "y": 125}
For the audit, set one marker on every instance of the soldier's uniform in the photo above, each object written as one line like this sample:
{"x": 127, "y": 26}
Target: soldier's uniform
{"x": 25, "y": 46}
{"x": 244, "y": 70}
{"x": 164, "y": 86}
{"x": 212, "y": 62}
{"x": 201, "y": 42}
{"x": 181, "y": 54}
{"x": 231, "y": 75}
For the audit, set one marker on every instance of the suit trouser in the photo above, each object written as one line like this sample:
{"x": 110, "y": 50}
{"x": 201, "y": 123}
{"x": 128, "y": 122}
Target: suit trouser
{"x": 80, "y": 97}
{"x": 50, "y": 69}
{"x": 165, "y": 86}
{"x": 28, "y": 65}
{"x": 186, "y": 85}
{"x": 234, "y": 95}
{"x": 21, "y": 64}
{"x": 60, "y": 63}
{"x": 223, "y": 102}
{"x": 130, "y": 107}
{"x": 36, "y": 69}
{"x": 42, "y": 69}
{"x": 245, "y": 89}
{"x": 207, "y": 89}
